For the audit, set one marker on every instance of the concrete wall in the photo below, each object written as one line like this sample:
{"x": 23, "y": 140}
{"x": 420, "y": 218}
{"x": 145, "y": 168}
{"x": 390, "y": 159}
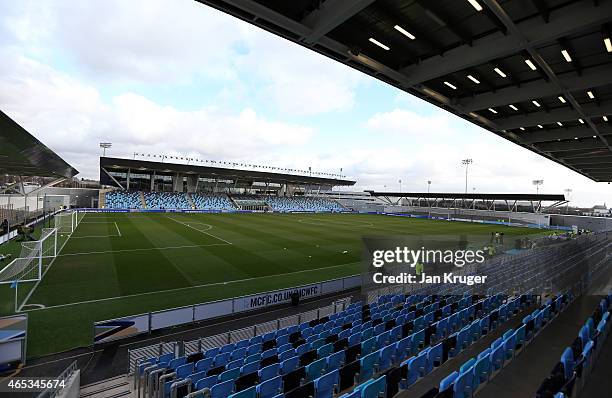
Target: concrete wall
{"x": 469, "y": 214}
{"x": 582, "y": 222}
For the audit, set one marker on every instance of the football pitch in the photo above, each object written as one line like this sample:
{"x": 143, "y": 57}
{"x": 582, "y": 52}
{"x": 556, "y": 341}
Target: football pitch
{"x": 117, "y": 264}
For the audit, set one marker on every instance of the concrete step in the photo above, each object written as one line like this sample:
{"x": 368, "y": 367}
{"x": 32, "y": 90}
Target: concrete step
{"x": 110, "y": 388}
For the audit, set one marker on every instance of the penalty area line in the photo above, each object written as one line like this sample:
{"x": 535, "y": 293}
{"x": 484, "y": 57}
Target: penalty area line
{"x": 199, "y": 230}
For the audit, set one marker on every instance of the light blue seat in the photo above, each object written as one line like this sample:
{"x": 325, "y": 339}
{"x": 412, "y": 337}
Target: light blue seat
{"x": 227, "y": 348}
{"x": 316, "y": 368}
{"x": 268, "y": 353}
{"x": 195, "y": 377}
{"x": 567, "y": 359}
{"x": 249, "y": 368}
{"x": 231, "y": 374}
{"x": 268, "y": 372}
{"x": 326, "y": 385}
{"x": 253, "y": 358}
{"x": 509, "y": 345}
{"x": 448, "y": 381}
{"x": 482, "y": 370}
{"x": 336, "y": 360}
{"x": 206, "y": 382}
{"x": 221, "y": 359}
{"x": 286, "y": 355}
{"x": 248, "y": 393}
{"x": 375, "y": 389}
{"x": 234, "y": 364}
{"x": 175, "y": 363}
{"x": 402, "y": 347}
{"x": 269, "y": 388}
{"x": 222, "y": 390}
{"x": 497, "y": 358}
{"x": 184, "y": 370}
{"x": 385, "y": 360}
{"x": 302, "y": 349}
{"x": 434, "y": 356}
{"x": 254, "y": 348}
{"x": 368, "y": 364}
{"x": 368, "y": 346}
{"x": 418, "y": 341}
{"x": 382, "y": 339}
{"x": 290, "y": 364}
{"x": 463, "y": 386}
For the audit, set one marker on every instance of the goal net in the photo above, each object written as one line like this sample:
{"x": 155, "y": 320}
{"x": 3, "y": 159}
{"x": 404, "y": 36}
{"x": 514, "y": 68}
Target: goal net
{"x": 66, "y": 222}
{"x": 28, "y": 266}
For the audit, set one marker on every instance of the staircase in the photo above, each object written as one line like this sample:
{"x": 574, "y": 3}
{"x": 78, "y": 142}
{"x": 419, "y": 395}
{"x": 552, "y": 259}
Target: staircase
{"x": 190, "y": 200}
{"x": 116, "y": 387}
{"x": 102, "y": 197}
{"x": 143, "y": 202}
{"x": 236, "y": 205}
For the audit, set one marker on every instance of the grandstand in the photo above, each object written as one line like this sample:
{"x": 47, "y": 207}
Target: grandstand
{"x": 191, "y": 279}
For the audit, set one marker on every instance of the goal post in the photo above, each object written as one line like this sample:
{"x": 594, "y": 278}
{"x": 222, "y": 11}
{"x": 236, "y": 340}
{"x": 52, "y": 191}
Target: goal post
{"x": 67, "y": 221}
{"x": 29, "y": 266}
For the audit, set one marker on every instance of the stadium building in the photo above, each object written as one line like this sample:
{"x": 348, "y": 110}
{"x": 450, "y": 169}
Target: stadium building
{"x": 175, "y": 277}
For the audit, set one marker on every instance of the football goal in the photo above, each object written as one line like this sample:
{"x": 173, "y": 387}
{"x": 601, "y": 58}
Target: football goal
{"x": 29, "y": 266}
{"x": 67, "y": 221}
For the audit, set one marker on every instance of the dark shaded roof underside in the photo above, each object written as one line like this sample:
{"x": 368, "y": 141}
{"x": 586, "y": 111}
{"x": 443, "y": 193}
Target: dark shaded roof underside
{"x": 23, "y": 155}
{"x": 113, "y": 164}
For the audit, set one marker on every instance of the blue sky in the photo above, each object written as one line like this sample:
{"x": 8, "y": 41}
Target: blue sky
{"x": 179, "y": 78}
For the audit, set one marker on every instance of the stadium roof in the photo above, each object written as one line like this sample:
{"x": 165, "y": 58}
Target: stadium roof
{"x": 217, "y": 172}
{"x": 476, "y": 196}
{"x": 536, "y": 72}
{"x": 23, "y": 155}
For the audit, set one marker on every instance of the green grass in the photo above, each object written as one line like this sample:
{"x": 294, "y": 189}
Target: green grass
{"x": 128, "y": 263}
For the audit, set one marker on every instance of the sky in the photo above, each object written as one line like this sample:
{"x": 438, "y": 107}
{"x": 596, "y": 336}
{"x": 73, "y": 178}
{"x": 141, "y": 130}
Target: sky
{"x": 178, "y": 78}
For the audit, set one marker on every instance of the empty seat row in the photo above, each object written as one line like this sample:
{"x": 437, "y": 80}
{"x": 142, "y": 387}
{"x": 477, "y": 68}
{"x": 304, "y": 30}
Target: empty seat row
{"x": 570, "y": 374}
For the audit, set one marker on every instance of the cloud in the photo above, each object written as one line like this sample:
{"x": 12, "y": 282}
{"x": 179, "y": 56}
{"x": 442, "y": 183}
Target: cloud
{"x": 71, "y": 118}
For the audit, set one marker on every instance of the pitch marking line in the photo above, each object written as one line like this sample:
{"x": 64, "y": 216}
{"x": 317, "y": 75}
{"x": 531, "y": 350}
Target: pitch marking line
{"x": 116, "y": 226}
{"x": 25, "y": 301}
{"x": 191, "y": 287}
{"x": 354, "y": 223}
{"x": 199, "y": 230}
{"x": 140, "y": 249}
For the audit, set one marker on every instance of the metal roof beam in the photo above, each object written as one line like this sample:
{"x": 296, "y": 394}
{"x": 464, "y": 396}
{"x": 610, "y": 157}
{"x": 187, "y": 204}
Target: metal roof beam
{"x": 558, "y": 134}
{"x": 591, "y": 77}
{"x": 444, "y": 19}
{"x": 330, "y": 15}
{"x": 542, "y": 9}
{"x": 582, "y": 113}
{"x": 570, "y": 145}
{"x": 563, "y": 22}
{"x": 554, "y": 116}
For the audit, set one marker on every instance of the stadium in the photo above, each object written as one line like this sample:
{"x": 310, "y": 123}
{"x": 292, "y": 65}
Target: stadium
{"x": 171, "y": 276}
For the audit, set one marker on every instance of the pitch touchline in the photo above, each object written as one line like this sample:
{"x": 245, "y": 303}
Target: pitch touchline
{"x": 199, "y": 230}
{"x": 140, "y": 249}
{"x": 189, "y": 287}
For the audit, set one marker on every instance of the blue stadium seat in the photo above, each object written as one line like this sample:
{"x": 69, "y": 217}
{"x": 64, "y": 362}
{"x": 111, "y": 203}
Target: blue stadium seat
{"x": 248, "y": 393}
{"x": 269, "y": 388}
{"x": 326, "y": 385}
{"x": 375, "y": 388}
{"x": 222, "y": 390}
{"x": 316, "y": 368}
{"x": 448, "y": 381}
{"x": 268, "y": 372}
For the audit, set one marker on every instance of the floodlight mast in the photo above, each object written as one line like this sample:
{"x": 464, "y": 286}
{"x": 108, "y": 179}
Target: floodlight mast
{"x": 104, "y": 146}
{"x": 467, "y": 163}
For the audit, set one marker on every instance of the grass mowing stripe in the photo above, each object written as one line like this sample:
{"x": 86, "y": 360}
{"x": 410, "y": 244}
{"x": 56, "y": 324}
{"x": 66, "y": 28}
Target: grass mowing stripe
{"x": 143, "y": 265}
